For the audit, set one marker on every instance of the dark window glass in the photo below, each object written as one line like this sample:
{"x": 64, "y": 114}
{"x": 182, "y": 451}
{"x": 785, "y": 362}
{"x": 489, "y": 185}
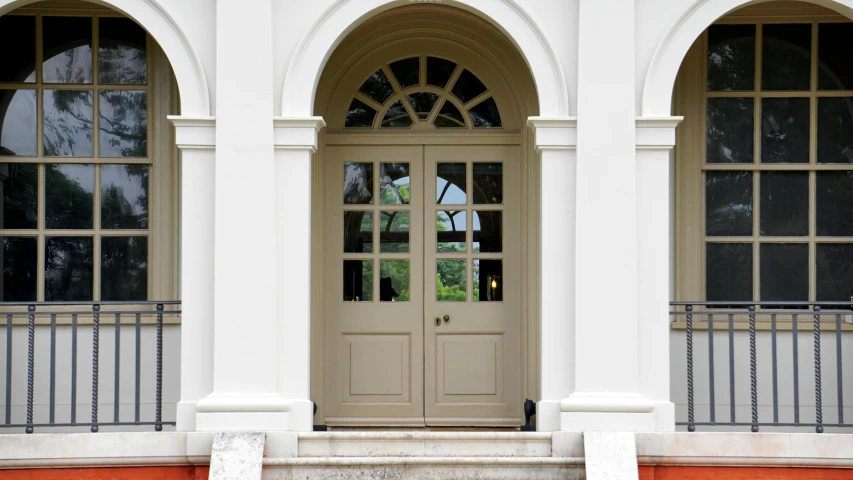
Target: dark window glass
{"x": 731, "y": 57}
{"x": 485, "y": 114}
{"x": 729, "y": 130}
{"x": 69, "y": 196}
{"x": 468, "y": 87}
{"x": 393, "y": 280}
{"x": 124, "y": 268}
{"x": 834, "y": 203}
{"x": 67, "y": 49}
{"x": 784, "y": 272}
{"x": 358, "y": 232}
{"x": 449, "y": 116}
{"x": 487, "y": 280}
{"x": 834, "y": 70}
{"x": 784, "y": 204}
{"x": 488, "y": 231}
{"x": 450, "y": 184}
{"x": 359, "y": 115}
{"x": 834, "y": 271}
{"x": 451, "y": 232}
{"x": 358, "y": 183}
{"x": 786, "y": 57}
{"x": 18, "y": 64}
{"x": 394, "y": 183}
{"x": 784, "y": 130}
{"x": 124, "y": 123}
{"x": 68, "y": 269}
{"x": 18, "y": 116}
{"x": 488, "y": 183}
{"x": 20, "y": 269}
{"x": 377, "y": 87}
{"x": 439, "y": 71}
{"x": 393, "y": 232}
{"x": 68, "y": 123}
{"x": 407, "y": 71}
{"x": 20, "y": 195}
{"x": 358, "y": 280}
{"x": 423, "y": 103}
{"x": 835, "y": 130}
{"x": 397, "y": 117}
{"x": 124, "y": 196}
{"x": 728, "y": 272}
{"x": 121, "y": 52}
{"x": 728, "y": 203}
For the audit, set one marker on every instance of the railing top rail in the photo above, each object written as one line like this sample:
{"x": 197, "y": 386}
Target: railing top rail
{"x": 848, "y": 303}
{"x": 110, "y": 302}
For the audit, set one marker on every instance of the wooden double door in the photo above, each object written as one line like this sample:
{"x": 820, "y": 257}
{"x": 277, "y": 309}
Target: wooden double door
{"x": 423, "y": 286}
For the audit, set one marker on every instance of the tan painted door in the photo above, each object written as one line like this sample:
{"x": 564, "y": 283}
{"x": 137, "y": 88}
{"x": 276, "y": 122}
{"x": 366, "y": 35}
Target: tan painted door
{"x": 414, "y": 234}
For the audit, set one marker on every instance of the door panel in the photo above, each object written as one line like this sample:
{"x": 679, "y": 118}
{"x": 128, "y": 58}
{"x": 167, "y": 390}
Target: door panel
{"x": 472, "y": 296}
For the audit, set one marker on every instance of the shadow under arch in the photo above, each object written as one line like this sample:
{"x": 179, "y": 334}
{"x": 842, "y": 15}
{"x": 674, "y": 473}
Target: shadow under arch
{"x": 185, "y": 62}
{"x": 671, "y": 50}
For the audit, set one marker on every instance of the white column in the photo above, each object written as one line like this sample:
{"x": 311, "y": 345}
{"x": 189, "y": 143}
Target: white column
{"x": 655, "y": 139}
{"x": 607, "y": 373}
{"x": 295, "y": 143}
{"x": 555, "y": 144}
{"x": 196, "y": 138}
{"x": 245, "y": 360}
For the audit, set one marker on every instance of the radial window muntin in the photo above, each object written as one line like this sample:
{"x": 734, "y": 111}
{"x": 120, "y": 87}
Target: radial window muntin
{"x": 420, "y": 119}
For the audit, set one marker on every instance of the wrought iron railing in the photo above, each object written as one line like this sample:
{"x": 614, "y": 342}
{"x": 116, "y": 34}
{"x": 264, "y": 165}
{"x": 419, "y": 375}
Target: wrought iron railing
{"x": 733, "y": 323}
{"x": 69, "y": 316}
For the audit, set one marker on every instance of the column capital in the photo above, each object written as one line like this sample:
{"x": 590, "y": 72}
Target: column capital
{"x": 194, "y": 133}
{"x": 297, "y": 133}
{"x": 554, "y": 133}
{"x": 656, "y": 133}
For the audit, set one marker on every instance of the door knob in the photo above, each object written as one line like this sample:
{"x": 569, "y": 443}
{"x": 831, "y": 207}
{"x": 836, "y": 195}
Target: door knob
{"x": 446, "y": 318}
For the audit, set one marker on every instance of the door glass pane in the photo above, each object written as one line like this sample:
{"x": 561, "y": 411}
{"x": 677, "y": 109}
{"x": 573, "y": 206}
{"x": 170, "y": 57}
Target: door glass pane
{"x": 731, "y": 57}
{"x": 450, "y": 184}
{"x": 487, "y": 279}
{"x": 358, "y": 183}
{"x": 121, "y": 52}
{"x": 488, "y": 231}
{"x": 786, "y": 57}
{"x": 834, "y": 204}
{"x": 358, "y": 232}
{"x": 19, "y": 269}
{"x": 67, "y": 49}
{"x": 728, "y": 203}
{"x": 784, "y": 204}
{"x": 835, "y": 130}
{"x": 728, "y": 272}
{"x": 784, "y": 272}
{"x": 20, "y": 195}
{"x": 358, "y": 280}
{"x": 450, "y": 231}
{"x": 394, "y": 183}
{"x": 784, "y": 130}
{"x": 124, "y": 123}
{"x": 834, "y": 71}
{"x": 68, "y": 269}
{"x": 19, "y": 63}
{"x": 439, "y": 71}
{"x": 69, "y": 196}
{"x": 407, "y": 71}
{"x": 18, "y": 113}
{"x": 488, "y": 183}
{"x": 393, "y": 232}
{"x": 377, "y": 87}
{"x": 124, "y": 196}
{"x": 393, "y": 280}
{"x": 450, "y": 281}
{"x": 729, "y": 130}
{"x": 834, "y": 271}
{"x": 124, "y": 268}
{"x": 68, "y": 123}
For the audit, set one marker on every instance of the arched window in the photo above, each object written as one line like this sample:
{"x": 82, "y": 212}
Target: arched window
{"x": 423, "y": 89}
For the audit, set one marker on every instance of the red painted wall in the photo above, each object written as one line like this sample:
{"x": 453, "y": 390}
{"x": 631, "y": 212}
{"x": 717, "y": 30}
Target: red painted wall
{"x": 743, "y": 473}
{"x": 108, "y": 473}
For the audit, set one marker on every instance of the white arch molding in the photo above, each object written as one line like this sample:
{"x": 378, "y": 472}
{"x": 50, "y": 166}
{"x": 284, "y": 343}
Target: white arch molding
{"x": 186, "y": 64}
{"x": 670, "y": 52}
{"x": 315, "y": 48}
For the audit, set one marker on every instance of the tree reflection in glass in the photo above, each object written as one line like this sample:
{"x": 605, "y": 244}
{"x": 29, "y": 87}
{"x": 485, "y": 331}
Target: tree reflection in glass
{"x": 394, "y": 183}
{"x": 450, "y": 232}
{"x": 124, "y": 196}
{"x": 124, "y": 123}
{"x": 69, "y": 196}
{"x": 394, "y": 231}
{"x": 728, "y": 203}
{"x": 731, "y": 57}
{"x": 68, "y": 123}
{"x": 358, "y": 232}
{"x": 124, "y": 268}
{"x": 729, "y": 132}
{"x": 67, "y": 47}
{"x": 18, "y": 117}
{"x": 358, "y": 183}
{"x": 450, "y": 281}
{"x": 68, "y": 269}
{"x": 20, "y": 195}
{"x": 121, "y": 52}
{"x": 19, "y": 269}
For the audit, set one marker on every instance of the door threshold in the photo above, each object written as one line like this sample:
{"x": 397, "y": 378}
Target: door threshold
{"x": 421, "y": 429}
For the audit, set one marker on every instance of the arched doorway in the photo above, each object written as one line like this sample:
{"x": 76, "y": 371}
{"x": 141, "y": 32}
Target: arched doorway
{"x": 425, "y": 219}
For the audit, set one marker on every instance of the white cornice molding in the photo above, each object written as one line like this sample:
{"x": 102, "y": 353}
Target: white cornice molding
{"x": 297, "y": 133}
{"x": 656, "y": 133}
{"x": 554, "y": 133}
{"x": 194, "y": 133}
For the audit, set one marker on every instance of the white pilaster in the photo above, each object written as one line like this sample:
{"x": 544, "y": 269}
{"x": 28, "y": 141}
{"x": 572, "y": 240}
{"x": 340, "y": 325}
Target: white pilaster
{"x": 196, "y": 138}
{"x": 655, "y": 139}
{"x": 555, "y": 140}
{"x": 245, "y": 361}
{"x": 295, "y": 142}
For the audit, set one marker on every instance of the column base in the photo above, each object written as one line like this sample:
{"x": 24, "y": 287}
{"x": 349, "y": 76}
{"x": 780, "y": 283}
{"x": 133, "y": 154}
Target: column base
{"x": 548, "y": 416}
{"x": 262, "y": 412}
{"x": 185, "y": 413}
{"x": 607, "y": 412}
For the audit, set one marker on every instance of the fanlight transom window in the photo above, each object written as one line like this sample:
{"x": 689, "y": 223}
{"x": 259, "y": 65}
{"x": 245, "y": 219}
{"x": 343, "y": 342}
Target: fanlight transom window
{"x": 424, "y": 91}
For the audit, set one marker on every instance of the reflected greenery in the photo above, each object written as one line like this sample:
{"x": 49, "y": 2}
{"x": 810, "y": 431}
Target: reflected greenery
{"x": 124, "y": 268}
{"x": 68, "y": 269}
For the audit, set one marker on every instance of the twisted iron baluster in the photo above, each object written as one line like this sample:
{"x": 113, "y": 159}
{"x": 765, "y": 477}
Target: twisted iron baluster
{"x": 31, "y": 345}
{"x": 817, "y": 386}
{"x": 95, "y": 346}
{"x": 690, "y": 418}
{"x": 158, "y": 425}
{"x": 753, "y": 378}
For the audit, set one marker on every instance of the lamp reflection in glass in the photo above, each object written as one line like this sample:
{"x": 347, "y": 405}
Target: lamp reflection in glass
{"x": 488, "y": 282}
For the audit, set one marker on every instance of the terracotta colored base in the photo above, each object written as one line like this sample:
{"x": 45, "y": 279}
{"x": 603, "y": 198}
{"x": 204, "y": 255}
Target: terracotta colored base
{"x": 743, "y": 473}
{"x": 108, "y": 473}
